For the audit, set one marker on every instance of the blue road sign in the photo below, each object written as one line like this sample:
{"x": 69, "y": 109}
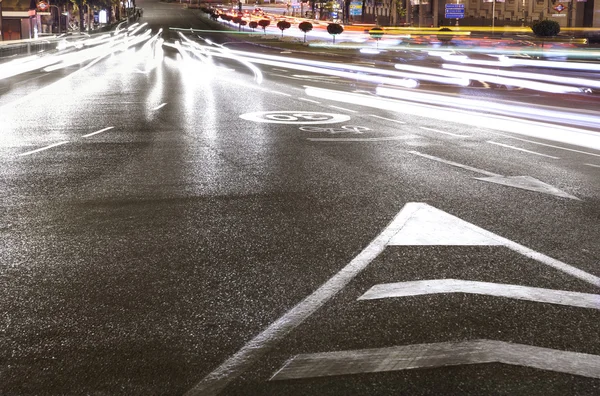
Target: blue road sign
{"x": 452, "y": 5}
{"x": 454, "y": 15}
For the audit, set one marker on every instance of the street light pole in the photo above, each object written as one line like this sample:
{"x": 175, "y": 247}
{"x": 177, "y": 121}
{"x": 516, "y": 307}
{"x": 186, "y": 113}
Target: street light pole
{"x": 59, "y": 15}
{"x": 1, "y": 35}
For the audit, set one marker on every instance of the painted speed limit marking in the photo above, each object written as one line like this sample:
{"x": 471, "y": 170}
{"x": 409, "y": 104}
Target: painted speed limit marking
{"x": 294, "y": 117}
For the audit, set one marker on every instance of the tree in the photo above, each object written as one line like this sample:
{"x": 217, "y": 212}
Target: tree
{"x": 377, "y": 34}
{"x": 253, "y": 25}
{"x": 545, "y": 28}
{"x": 305, "y": 27}
{"x": 334, "y": 29}
{"x": 237, "y": 20}
{"x": 263, "y": 23}
{"x": 282, "y": 25}
{"x": 444, "y": 37}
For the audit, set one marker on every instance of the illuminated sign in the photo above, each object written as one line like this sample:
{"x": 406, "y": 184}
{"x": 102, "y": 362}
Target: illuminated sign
{"x": 559, "y": 7}
{"x": 42, "y": 5}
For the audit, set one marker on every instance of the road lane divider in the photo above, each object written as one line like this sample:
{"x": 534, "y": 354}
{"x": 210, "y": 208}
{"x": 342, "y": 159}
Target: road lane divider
{"x": 158, "y": 107}
{"x": 434, "y": 355}
{"x": 447, "y": 286}
{"x": 442, "y": 132}
{"x": 521, "y": 149}
{"x": 523, "y": 182}
{"x": 43, "y": 148}
{"x": 97, "y": 132}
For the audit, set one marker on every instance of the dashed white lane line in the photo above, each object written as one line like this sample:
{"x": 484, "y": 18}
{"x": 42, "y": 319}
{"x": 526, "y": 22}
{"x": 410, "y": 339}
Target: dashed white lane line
{"x": 521, "y": 149}
{"x": 387, "y": 119}
{"x": 443, "y": 132}
{"x": 279, "y": 93}
{"x": 467, "y": 167}
{"x": 594, "y": 165}
{"x": 310, "y": 100}
{"x": 43, "y": 148}
{"x": 343, "y": 109}
{"x": 97, "y": 132}
{"x": 379, "y": 139}
{"x": 551, "y": 145}
{"x": 159, "y": 107}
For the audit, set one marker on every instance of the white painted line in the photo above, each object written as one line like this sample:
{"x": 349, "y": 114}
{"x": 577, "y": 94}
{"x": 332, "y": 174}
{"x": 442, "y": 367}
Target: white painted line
{"x": 594, "y": 165}
{"x": 550, "y": 145}
{"x": 217, "y": 380}
{"x": 43, "y": 148}
{"x": 159, "y": 107}
{"x": 310, "y": 100}
{"x": 279, "y": 93}
{"x": 97, "y": 132}
{"x": 528, "y": 183}
{"x": 387, "y": 119}
{"x": 427, "y": 225}
{"x": 444, "y": 132}
{"x": 440, "y": 286}
{"x": 520, "y": 149}
{"x": 454, "y": 163}
{"x": 343, "y": 108}
{"x": 441, "y": 354}
{"x": 381, "y": 139}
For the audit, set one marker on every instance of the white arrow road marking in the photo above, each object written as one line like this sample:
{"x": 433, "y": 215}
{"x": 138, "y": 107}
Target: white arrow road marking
{"x": 522, "y": 182}
{"x": 438, "y": 355}
{"x": 521, "y": 149}
{"x": 217, "y": 380}
{"x": 440, "y": 286}
{"x": 426, "y": 225}
{"x": 528, "y": 183}
{"x": 396, "y": 233}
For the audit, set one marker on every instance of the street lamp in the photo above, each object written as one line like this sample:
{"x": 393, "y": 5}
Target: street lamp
{"x": 58, "y": 14}
{"x": 1, "y": 35}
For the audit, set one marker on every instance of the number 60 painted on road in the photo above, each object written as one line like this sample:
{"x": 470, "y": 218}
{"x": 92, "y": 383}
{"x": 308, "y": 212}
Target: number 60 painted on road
{"x": 294, "y": 117}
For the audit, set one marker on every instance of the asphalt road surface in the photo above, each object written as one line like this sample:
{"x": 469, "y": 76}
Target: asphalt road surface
{"x": 199, "y": 221}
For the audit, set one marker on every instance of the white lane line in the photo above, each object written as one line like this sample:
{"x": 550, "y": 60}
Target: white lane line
{"x": 441, "y": 286}
{"x": 97, "y": 132}
{"x": 310, "y": 100}
{"x": 549, "y": 145}
{"x": 159, "y": 107}
{"x": 343, "y": 108}
{"x": 444, "y": 132}
{"x": 484, "y": 172}
{"x": 380, "y": 139}
{"x": 43, "y": 148}
{"x": 387, "y": 119}
{"x": 438, "y": 355}
{"x": 521, "y": 149}
{"x": 279, "y": 93}
{"x": 217, "y": 380}
{"x": 594, "y": 165}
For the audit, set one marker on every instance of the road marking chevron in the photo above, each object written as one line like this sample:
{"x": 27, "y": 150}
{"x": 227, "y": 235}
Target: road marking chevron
{"x": 437, "y": 355}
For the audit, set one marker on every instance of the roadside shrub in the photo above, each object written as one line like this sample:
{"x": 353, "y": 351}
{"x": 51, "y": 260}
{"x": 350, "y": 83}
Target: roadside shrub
{"x": 334, "y": 29}
{"x": 546, "y": 28}
{"x": 305, "y": 27}
{"x": 282, "y": 25}
{"x": 263, "y": 23}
